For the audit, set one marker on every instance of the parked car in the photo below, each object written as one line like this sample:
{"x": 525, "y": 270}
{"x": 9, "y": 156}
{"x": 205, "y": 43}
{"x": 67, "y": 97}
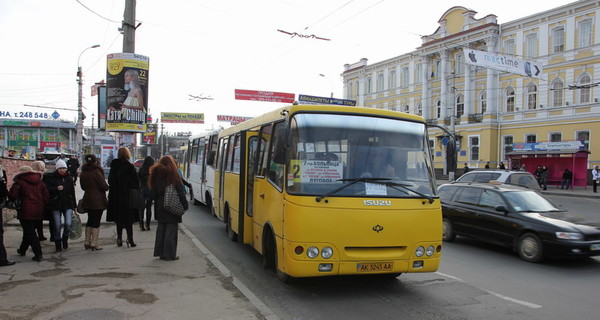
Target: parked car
{"x": 138, "y": 163}
{"x": 521, "y": 178}
{"x": 518, "y": 218}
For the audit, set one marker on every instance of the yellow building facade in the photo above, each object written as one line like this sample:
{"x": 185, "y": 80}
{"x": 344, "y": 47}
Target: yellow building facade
{"x": 492, "y": 111}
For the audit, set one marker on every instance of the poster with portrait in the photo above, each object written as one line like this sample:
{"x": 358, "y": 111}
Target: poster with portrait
{"x": 108, "y": 154}
{"x": 127, "y": 92}
{"x": 149, "y": 137}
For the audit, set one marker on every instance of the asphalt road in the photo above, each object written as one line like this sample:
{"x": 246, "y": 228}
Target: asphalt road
{"x": 475, "y": 281}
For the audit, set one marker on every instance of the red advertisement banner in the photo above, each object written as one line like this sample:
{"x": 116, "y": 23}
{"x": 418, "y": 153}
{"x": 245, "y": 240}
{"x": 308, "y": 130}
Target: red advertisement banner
{"x": 267, "y": 96}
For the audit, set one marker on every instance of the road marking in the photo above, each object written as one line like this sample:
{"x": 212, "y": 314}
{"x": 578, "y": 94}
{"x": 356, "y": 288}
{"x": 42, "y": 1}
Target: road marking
{"x": 262, "y": 308}
{"x": 507, "y": 298}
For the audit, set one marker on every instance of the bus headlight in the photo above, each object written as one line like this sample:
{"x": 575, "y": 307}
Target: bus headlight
{"x": 326, "y": 253}
{"x": 312, "y": 252}
{"x": 420, "y": 251}
{"x": 430, "y": 251}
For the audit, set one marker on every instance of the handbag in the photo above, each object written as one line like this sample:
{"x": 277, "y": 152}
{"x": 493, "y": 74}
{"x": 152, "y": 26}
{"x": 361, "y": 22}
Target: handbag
{"x": 172, "y": 203}
{"x": 75, "y": 226}
{"x": 136, "y": 199}
{"x": 80, "y": 208}
{"x": 15, "y": 205}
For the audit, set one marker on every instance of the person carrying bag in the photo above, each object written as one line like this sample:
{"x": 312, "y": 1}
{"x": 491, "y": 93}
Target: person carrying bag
{"x": 169, "y": 205}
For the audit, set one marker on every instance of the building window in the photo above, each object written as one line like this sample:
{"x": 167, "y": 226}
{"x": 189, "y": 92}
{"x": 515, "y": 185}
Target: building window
{"x": 419, "y": 109}
{"x": 558, "y": 39}
{"x": 508, "y": 145}
{"x": 531, "y": 45}
{"x": 474, "y": 148}
{"x": 531, "y": 96}
{"x": 510, "y": 99}
{"x": 530, "y": 138}
{"x": 405, "y": 77}
{"x": 460, "y": 105}
{"x": 350, "y": 93}
{"x": 437, "y": 69}
{"x": 509, "y": 47}
{"x": 406, "y": 109}
{"x": 584, "y": 137}
{"x": 585, "y": 33}
{"x": 392, "y": 80}
{"x": 380, "y": 82}
{"x": 483, "y": 101}
{"x": 368, "y": 85}
{"x": 459, "y": 66}
{"x": 357, "y": 89}
{"x": 438, "y": 109}
{"x": 557, "y": 93}
{"x": 585, "y": 93}
{"x": 419, "y": 73}
{"x": 555, "y": 137}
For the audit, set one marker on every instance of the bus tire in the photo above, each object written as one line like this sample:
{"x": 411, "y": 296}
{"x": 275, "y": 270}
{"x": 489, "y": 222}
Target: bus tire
{"x": 230, "y": 233}
{"x": 282, "y": 276}
{"x": 268, "y": 254}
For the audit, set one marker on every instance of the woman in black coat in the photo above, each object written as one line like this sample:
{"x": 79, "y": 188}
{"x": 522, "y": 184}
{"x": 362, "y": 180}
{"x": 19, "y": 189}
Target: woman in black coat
{"x": 162, "y": 174}
{"x": 62, "y": 202}
{"x": 121, "y": 178}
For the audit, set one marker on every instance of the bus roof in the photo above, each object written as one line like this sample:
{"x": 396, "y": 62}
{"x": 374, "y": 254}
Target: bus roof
{"x": 292, "y": 109}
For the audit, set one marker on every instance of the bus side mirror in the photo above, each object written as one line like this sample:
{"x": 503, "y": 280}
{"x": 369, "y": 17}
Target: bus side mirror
{"x": 211, "y": 158}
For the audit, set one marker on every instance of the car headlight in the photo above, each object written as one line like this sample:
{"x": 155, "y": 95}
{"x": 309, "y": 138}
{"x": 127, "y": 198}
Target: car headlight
{"x": 420, "y": 251}
{"x": 569, "y": 235}
{"x": 326, "y": 253}
{"x": 312, "y": 252}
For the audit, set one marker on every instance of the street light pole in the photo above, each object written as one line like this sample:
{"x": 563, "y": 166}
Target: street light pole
{"x": 330, "y": 83}
{"x": 79, "y": 138}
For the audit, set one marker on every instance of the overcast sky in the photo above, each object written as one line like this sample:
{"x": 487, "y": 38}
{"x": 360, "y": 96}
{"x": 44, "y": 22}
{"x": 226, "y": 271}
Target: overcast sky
{"x": 210, "y": 48}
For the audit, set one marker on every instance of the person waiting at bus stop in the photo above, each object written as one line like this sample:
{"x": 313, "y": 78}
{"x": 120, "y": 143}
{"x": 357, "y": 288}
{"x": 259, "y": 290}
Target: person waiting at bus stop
{"x": 62, "y": 202}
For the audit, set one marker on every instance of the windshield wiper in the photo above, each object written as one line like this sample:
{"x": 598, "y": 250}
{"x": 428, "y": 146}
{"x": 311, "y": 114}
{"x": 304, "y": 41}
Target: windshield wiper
{"x": 385, "y": 181}
{"x": 352, "y": 181}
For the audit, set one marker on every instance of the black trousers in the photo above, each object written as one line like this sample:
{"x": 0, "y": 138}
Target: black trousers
{"x": 30, "y": 237}
{"x": 2, "y": 248}
{"x": 165, "y": 244}
{"x": 94, "y": 217}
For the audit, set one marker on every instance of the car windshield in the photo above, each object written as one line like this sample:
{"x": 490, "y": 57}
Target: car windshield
{"x": 529, "y": 201}
{"x": 349, "y": 155}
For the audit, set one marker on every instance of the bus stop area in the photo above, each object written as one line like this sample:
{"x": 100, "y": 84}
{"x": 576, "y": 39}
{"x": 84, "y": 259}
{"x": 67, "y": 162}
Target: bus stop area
{"x": 120, "y": 282}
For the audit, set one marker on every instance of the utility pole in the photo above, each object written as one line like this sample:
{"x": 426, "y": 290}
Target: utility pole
{"x": 128, "y": 28}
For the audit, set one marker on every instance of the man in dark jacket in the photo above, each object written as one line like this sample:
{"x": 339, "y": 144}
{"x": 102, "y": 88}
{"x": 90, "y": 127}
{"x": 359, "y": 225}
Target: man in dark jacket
{"x": 72, "y": 166}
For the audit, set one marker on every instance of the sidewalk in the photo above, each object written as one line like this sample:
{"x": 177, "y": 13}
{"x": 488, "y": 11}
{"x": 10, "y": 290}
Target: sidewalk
{"x": 117, "y": 282}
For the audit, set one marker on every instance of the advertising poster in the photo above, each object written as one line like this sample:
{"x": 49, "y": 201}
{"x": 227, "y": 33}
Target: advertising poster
{"x": 178, "y": 117}
{"x": 108, "y": 153}
{"x": 127, "y": 92}
{"x": 149, "y": 137}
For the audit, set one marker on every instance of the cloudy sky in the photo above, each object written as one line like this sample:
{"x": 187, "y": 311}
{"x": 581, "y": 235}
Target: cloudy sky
{"x": 209, "y": 48}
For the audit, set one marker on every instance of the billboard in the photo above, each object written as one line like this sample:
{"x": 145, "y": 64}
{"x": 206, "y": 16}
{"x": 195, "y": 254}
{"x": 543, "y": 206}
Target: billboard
{"x": 502, "y": 62}
{"x": 127, "y": 92}
{"x": 150, "y": 137}
{"x": 304, "y": 99}
{"x": 267, "y": 96}
{"x": 232, "y": 119}
{"x": 177, "y": 117}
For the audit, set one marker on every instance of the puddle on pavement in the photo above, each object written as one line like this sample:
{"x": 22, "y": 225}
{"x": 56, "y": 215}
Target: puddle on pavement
{"x": 5, "y": 286}
{"x": 120, "y": 275}
{"x": 137, "y": 296}
{"x": 50, "y": 273}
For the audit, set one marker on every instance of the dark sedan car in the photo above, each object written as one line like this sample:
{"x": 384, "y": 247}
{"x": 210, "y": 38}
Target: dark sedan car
{"x": 516, "y": 217}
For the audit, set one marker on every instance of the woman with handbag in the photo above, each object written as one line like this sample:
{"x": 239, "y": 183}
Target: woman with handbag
{"x": 29, "y": 189}
{"x": 121, "y": 178}
{"x": 143, "y": 175}
{"x": 93, "y": 183}
{"x": 62, "y": 203}
{"x": 164, "y": 178}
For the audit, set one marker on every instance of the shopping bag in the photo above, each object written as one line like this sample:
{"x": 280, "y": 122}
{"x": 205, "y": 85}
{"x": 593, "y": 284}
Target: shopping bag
{"x": 75, "y": 226}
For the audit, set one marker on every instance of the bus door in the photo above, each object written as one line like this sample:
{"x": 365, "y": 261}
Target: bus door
{"x": 251, "y": 161}
{"x": 267, "y": 190}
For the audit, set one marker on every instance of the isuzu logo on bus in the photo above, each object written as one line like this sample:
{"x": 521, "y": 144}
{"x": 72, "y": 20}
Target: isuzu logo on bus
{"x": 377, "y": 202}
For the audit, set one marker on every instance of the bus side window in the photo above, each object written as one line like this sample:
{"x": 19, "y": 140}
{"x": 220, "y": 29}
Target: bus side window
{"x": 265, "y": 134}
{"x": 275, "y": 170}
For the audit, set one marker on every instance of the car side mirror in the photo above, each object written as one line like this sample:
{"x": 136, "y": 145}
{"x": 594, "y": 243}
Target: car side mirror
{"x": 501, "y": 209}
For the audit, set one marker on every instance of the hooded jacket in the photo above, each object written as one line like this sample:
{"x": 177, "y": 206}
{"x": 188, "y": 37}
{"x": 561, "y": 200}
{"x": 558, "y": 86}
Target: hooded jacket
{"x": 28, "y": 187}
{"x": 60, "y": 199}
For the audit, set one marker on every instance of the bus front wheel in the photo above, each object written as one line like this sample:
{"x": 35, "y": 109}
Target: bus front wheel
{"x": 282, "y": 276}
{"x": 230, "y": 233}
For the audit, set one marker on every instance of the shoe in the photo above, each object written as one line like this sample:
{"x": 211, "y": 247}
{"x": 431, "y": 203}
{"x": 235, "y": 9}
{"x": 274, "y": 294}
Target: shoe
{"x": 58, "y": 246}
{"x": 142, "y": 227}
{"x": 21, "y": 252}
{"x": 170, "y": 258}
{"x": 6, "y": 263}
{"x": 42, "y": 238}
{"x": 65, "y": 243}
{"x": 37, "y": 258}
{"x": 147, "y": 226}
{"x": 119, "y": 243}
{"x": 130, "y": 243}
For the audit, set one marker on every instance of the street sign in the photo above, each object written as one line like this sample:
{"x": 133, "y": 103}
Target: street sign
{"x": 502, "y": 62}
{"x": 268, "y": 96}
{"x": 55, "y": 115}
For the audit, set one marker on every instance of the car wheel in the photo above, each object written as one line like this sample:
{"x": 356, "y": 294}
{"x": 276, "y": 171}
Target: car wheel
{"x": 447, "y": 231}
{"x": 530, "y": 248}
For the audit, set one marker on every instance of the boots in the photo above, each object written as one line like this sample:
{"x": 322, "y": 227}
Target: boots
{"x": 65, "y": 243}
{"x": 58, "y": 245}
{"x": 88, "y": 235}
{"x": 94, "y": 239}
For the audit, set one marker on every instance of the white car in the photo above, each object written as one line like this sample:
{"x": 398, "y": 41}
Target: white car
{"x": 520, "y": 178}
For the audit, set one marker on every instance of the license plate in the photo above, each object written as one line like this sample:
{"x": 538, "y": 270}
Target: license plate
{"x": 370, "y": 267}
{"x": 595, "y": 247}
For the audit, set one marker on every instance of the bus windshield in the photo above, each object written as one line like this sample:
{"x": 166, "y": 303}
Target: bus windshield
{"x": 360, "y": 156}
